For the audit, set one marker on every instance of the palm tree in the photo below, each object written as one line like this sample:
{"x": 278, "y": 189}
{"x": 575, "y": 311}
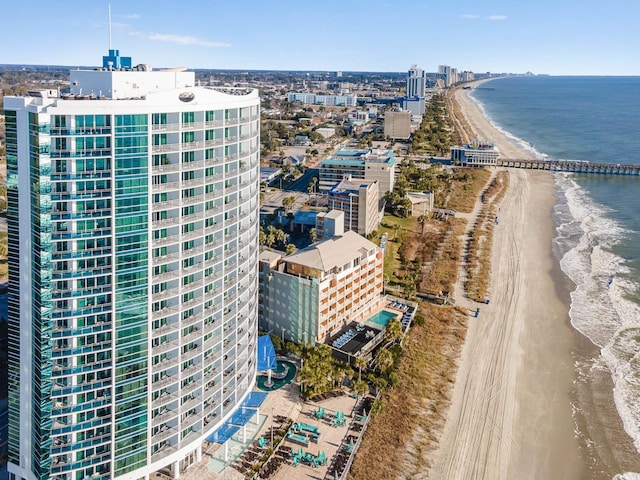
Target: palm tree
{"x": 384, "y": 360}
{"x": 281, "y": 236}
{"x": 307, "y": 376}
{"x": 291, "y": 248}
{"x": 360, "y": 387}
{"x": 288, "y": 202}
{"x": 270, "y": 239}
{"x": 393, "y": 331}
{"x": 360, "y": 363}
{"x": 422, "y": 219}
{"x": 312, "y": 185}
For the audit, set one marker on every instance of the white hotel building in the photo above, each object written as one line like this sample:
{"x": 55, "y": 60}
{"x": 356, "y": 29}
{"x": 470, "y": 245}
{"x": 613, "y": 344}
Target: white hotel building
{"x": 133, "y": 247}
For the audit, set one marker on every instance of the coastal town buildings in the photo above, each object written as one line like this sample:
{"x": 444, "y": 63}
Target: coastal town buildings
{"x": 358, "y": 200}
{"x": 329, "y": 224}
{"x": 414, "y": 100}
{"x": 370, "y": 164}
{"x": 309, "y": 296}
{"x": 415, "y": 105}
{"x": 416, "y": 82}
{"x": 327, "y": 100}
{"x": 397, "y": 124}
{"x": 449, "y": 74}
{"x": 133, "y": 239}
{"x": 475, "y": 154}
{"x": 326, "y": 132}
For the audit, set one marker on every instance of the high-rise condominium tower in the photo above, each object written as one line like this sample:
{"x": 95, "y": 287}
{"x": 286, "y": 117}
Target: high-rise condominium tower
{"x": 416, "y": 82}
{"x": 133, "y": 237}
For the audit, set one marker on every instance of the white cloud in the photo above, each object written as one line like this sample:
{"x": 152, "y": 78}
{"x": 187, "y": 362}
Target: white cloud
{"x": 469, "y": 16}
{"x": 178, "y": 39}
{"x": 497, "y": 17}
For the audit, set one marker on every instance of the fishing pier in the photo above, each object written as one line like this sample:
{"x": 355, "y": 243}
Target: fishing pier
{"x": 575, "y": 166}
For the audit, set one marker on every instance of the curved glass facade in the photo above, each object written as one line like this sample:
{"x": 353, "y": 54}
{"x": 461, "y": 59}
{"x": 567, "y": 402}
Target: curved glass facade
{"x": 143, "y": 238}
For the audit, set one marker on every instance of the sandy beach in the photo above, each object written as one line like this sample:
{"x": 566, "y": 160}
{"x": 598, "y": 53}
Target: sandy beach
{"x": 510, "y": 415}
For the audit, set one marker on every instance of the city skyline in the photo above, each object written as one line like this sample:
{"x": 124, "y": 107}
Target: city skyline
{"x": 499, "y": 36}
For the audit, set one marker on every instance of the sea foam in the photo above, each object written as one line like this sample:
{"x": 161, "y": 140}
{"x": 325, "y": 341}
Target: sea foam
{"x": 600, "y": 308}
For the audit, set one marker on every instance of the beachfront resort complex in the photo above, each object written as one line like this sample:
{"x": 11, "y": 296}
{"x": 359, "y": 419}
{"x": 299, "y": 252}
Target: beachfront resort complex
{"x": 137, "y": 284}
{"x": 133, "y": 220}
{"x": 307, "y": 296}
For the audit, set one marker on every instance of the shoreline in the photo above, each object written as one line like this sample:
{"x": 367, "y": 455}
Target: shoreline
{"x": 511, "y": 411}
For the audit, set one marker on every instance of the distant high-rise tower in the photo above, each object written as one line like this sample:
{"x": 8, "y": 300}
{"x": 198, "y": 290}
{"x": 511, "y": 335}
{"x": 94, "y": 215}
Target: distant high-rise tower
{"x": 414, "y": 100}
{"x": 416, "y": 82}
{"x": 448, "y": 74}
{"x": 133, "y": 246}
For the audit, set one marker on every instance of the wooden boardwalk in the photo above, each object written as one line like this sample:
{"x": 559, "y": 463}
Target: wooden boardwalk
{"x": 575, "y": 166}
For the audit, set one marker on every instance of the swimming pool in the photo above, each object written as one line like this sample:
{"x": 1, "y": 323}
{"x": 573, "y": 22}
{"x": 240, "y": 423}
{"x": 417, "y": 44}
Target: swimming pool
{"x": 381, "y": 318}
{"x": 281, "y": 367}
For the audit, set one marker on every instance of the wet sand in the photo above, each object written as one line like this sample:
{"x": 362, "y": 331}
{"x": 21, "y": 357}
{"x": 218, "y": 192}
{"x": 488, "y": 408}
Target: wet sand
{"x": 511, "y": 414}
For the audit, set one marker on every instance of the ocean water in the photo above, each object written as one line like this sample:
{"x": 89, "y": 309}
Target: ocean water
{"x": 597, "y": 242}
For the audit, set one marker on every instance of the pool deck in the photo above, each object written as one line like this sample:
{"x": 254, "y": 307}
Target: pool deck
{"x": 285, "y": 402}
{"x": 360, "y": 341}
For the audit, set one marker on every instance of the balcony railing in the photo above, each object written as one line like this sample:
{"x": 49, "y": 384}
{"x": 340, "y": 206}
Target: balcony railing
{"x": 167, "y": 148}
{"x": 165, "y": 127}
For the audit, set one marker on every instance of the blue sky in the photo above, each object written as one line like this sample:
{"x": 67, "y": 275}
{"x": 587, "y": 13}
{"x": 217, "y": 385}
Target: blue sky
{"x": 558, "y": 37}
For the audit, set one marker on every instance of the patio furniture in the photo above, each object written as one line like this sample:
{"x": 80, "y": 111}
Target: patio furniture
{"x": 321, "y": 459}
{"x": 339, "y": 419}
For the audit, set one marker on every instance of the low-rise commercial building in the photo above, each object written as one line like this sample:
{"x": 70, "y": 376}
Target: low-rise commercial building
{"x": 475, "y": 154}
{"x": 369, "y": 164}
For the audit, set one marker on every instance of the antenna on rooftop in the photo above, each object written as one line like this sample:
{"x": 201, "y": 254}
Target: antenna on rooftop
{"x": 109, "y": 26}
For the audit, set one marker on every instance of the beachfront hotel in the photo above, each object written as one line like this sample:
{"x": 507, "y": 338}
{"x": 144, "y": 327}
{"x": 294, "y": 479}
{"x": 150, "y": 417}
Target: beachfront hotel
{"x": 475, "y": 154}
{"x": 358, "y": 199}
{"x": 307, "y": 297}
{"x": 133, "y": 240}
{"x": 371, "y": 164}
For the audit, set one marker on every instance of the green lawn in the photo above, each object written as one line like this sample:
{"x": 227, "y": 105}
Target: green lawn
{"x": 389, "y": 225}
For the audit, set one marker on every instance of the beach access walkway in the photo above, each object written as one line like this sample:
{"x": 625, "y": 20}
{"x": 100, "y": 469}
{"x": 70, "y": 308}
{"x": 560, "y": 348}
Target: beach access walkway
{"x": 460, "y": 297}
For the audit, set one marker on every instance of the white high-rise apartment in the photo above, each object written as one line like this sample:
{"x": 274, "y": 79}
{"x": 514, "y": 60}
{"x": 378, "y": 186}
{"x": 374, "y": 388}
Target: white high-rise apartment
{"x": 416, "y": 82}
{"x": 133, "y": 246}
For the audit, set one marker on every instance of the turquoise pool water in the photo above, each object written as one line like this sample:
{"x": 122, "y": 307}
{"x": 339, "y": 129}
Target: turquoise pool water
{"x": 381, "y": 318}
{"x": 277, "y": 382}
